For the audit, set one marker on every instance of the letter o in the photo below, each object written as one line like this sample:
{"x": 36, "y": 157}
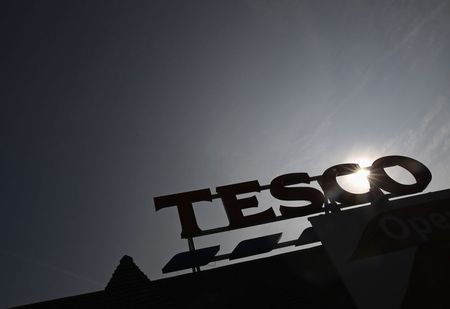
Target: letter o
{"x": 404, "y": 228}
{"x": 382, "y": 180}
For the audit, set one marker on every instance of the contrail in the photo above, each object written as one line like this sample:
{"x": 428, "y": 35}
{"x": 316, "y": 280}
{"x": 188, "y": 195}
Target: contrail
{"x": 51, "y": 267}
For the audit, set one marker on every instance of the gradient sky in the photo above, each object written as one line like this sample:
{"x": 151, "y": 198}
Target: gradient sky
{"x": 107, "y": 104}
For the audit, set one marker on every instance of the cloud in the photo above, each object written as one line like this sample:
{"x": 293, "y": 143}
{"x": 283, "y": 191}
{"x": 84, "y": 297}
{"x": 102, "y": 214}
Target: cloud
{"x": 428, "y": 141}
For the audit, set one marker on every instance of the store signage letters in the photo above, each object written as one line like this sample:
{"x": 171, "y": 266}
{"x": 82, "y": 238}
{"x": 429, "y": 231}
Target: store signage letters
{"x": 283, "y": 189}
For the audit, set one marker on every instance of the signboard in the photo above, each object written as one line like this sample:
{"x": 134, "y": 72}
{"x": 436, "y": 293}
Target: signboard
{"x": 282, "y": 188}
{"x": 392, "y": 255}
{"x": 287, "y": 187}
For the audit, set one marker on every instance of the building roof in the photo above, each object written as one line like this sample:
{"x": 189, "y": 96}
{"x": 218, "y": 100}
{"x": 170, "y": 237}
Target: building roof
{"x": 304, "y": 277}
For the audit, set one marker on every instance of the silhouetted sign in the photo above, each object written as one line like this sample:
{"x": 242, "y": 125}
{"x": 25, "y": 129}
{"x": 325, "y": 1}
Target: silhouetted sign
{"x": 425, "y": 227}
{"x": 199, "y": 257}
{"x": 282, "y": 189}
{"x": 398, "y": 229}
{"x": 392, "y": 255}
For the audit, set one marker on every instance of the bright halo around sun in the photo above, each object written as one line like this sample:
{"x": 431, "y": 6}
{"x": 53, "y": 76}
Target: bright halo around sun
{"x": 358, "y": 181}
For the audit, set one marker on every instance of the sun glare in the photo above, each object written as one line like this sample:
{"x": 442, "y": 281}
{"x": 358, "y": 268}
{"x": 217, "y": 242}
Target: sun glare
{"x": 363, "y": 162}
{"x": 358, "y": 182}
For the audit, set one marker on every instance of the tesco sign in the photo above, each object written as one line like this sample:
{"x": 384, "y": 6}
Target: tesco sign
{"x": 332, "y": 196}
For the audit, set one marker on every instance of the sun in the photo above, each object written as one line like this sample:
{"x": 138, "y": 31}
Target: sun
{"x": 357, "y": 182}
{"x": 363, "y": 162}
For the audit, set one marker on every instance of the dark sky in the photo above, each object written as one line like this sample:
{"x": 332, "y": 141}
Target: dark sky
{"x": 107, "y": 104}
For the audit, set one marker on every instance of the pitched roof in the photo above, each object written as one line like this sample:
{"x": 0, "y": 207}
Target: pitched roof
{"x": 127, "y": 276}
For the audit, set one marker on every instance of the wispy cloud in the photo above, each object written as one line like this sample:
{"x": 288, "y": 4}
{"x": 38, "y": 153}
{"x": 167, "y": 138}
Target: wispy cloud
{"x": 428, "y": 141}
{"x": 430, "y": 137}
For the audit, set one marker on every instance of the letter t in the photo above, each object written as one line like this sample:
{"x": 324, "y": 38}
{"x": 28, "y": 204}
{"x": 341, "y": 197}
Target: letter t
{"x": 183, "y": 202}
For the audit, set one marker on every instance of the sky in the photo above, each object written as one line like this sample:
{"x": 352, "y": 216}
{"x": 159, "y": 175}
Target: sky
{"x": 105, "y": 105}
